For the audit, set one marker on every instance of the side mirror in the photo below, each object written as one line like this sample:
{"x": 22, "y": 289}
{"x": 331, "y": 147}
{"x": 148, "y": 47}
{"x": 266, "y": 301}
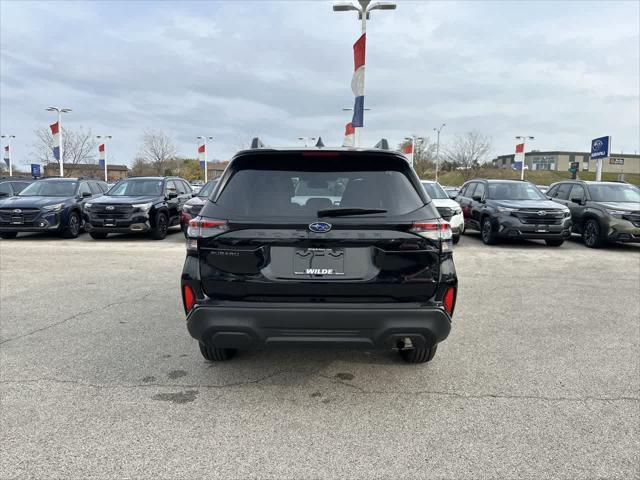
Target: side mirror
{"x": 477, "y": 198}
{"x": 194, "y": 194}
{"x": 87, "y": 194}
{"x": 173, "y": 195}
{"x": 577, "y": 200}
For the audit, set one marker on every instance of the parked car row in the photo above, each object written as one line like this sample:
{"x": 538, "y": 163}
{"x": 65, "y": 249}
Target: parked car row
{"x": 70, "y": 205}
{"x": 599, "y": 211}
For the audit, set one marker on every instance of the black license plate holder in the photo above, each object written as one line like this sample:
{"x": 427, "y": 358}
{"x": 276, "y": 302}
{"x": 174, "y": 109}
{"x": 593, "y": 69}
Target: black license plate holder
{"x": 318, "y": 262}
{"x": 17, "y": 219}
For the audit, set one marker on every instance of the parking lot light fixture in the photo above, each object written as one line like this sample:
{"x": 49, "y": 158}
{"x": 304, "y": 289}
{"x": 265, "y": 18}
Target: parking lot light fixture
{"x": 307, "y": 140}
{"x": 60, "y": 142}
{"x": 524, "y": 139}
{"x": 363, "y": 8}
{"x": 10, "y": 152}
{"x": 204, "y": 140}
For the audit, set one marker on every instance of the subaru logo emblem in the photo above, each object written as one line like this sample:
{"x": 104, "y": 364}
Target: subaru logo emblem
{"x": 17, "y": 210}
{"x": 109, "y": 207}
{"x": 542, "y": 213}
{"x": 597, "y": 145}
{"x": 320, "y": 227}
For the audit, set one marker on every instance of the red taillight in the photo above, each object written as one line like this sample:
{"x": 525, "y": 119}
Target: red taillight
{"x": 313, "y": 153}
{"x": 449, "y": 300}
{"x": 206, "y": 227}
{"x": 435, "y": 229}
{"x": 188, "y": 298}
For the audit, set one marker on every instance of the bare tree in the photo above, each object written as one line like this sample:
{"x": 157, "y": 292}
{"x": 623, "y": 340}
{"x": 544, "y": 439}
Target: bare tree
{"x": 424, "y": 157}
{"x": 467, "y": 152}
{"x": 157, "y": 151}
{"x": 79, "y": 146}
{"x": 141, "y": 168}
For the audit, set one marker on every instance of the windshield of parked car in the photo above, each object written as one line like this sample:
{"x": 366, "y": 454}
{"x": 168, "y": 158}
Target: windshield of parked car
{"x": 514, "y": 191}
{"x": 136, "y": 188}
{"x": 434, "y": 190}
{"x": 304, "y": 192}
{"x": 614, "y": 193}
{"x": 208, "y": 188}
{"x": 56, "y": 188}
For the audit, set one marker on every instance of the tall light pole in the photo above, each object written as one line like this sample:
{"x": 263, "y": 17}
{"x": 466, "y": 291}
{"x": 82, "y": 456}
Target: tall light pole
{"x": 524, "y": 139}
{"x": 60, "y": 148}
{"x": 364, "y": 9}
{"x": 9, "y": 137}
{"x": 105, "y": 153}
{"x": 438, "y": 148}
{"x": 306, "y": 140}
{"x": 204, "y": 140}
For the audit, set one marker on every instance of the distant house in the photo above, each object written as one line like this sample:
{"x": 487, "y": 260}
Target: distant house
{"x": 114, "y": 172}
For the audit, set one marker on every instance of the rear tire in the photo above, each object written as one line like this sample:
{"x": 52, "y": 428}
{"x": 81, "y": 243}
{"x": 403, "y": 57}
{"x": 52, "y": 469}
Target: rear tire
{"x": 488, "y": 237}
{"x": 8, "y": 235}
{"x": 554, "y": 243}
{"x": 98, "y": 235}
{"x": 159, "y": 231}
{"x": 214, "y": 354}
{"x": 72, "y": 230}
{"x": 455, "y": 239}
{"x": 418, "y": 355}
{"x": 591, "y": 234}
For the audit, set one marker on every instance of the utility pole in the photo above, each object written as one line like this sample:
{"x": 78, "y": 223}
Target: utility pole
{"x": 438, "y": 148}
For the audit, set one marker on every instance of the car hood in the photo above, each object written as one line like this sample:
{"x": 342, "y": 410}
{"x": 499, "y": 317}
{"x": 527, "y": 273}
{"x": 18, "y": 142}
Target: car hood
{"x": 126, "y": 200}
{"x": 542, "y": 204}
{"x": 32, "y": 202}
{"x": 445, "y": 202}
{"x": 196, "y": 201}
{"x": 626, "y": 206}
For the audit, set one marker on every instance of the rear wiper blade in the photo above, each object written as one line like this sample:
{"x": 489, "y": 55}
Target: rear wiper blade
{"x": 343, "y": 212}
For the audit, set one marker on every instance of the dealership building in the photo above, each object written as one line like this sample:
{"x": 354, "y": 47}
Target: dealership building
{"x": 561, "y": 162}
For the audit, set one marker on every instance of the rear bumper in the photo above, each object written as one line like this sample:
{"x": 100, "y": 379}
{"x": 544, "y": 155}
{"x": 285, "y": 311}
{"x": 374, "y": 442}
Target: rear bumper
{"x": 246, "y": 325}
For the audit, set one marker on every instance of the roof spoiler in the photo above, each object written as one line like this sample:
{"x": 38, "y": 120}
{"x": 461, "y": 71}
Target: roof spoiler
{"x": 383, "y": 144}
{"x": 257, "y": 143}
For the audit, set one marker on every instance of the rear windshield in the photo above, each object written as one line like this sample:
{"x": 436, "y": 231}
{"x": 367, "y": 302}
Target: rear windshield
{"x": 301, "y": 192}
{"x": 514, "y": 191}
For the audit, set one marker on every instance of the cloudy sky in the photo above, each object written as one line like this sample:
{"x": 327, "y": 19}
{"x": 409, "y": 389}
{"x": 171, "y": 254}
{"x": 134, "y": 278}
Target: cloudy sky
{"x": 562, "y": 72}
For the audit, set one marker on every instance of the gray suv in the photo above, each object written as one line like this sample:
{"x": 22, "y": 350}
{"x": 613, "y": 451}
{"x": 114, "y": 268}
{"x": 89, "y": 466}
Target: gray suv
{"x": 601, "y": 211}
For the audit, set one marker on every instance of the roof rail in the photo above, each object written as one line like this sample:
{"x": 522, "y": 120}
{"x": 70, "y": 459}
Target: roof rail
{"x": 257, "y": 143}
{"x": 383, "y": 144}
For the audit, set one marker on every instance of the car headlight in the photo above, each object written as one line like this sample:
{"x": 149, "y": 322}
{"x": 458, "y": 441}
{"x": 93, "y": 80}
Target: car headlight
{"x": 186, "y": 208}
{"x": 457, "y": 211}
{"x": 87, "y": 205}
{"x": 617, "y": 213}
{"x": 54, "y": 208}
{"x": 567, "y": 213}
{"x": 506, "y": 210}
{"x": 143, "y": 207}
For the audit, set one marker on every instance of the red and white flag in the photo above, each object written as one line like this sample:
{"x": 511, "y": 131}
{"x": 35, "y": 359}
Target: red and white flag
{"x": 201, "y": 150}
{"x": 55, "y": 131}
{"x": 349, "y": 133}
{"x": 519, "y": 156}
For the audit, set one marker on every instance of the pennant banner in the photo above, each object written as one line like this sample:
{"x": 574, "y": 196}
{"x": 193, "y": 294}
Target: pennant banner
{"x": 357, "y": 82}
{"x": 349, "y": 133}
{"x": 55, "y": 131}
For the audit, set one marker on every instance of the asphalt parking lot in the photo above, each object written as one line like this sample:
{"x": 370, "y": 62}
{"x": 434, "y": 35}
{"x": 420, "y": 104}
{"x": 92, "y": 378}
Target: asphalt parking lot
{"x": 100, "y": 379}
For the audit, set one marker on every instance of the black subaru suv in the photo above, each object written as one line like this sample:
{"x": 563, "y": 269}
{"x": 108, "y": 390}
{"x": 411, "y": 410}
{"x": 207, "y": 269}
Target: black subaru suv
{"x": 319, "y": 247}
{"x": 138, "y": 204}
{"x": 513, "y": 209}
{"x": 49, "y": 205}
{"x": 602, "y": 212}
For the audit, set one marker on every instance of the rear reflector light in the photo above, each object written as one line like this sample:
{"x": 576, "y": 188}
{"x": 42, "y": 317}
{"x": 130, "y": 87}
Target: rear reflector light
{"x": 449, "y": 300}
{"x": 436, "y": 229}
{"x": 320, "y": 154}
{"x": 188, "y": 298}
